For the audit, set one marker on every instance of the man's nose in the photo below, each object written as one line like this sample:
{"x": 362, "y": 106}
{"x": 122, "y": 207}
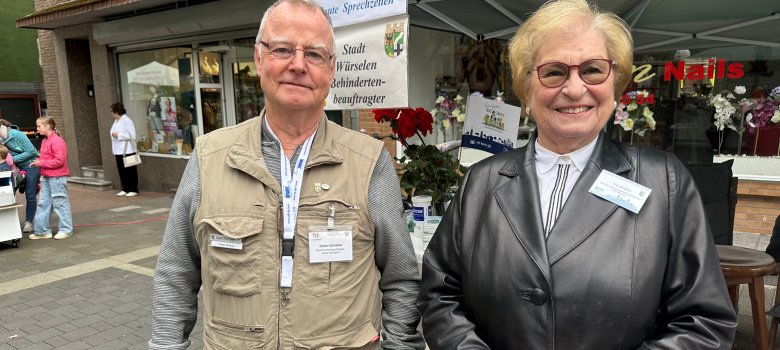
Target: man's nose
{"x": 297, "y": 61}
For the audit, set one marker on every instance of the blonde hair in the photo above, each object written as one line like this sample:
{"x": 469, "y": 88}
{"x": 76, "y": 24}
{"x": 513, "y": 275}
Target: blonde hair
{"x": 50, "y": 122}
{"x": 557, "y": 15}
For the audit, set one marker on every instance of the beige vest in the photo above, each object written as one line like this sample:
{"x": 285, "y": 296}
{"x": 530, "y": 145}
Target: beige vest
{"x": 330, "y": 305}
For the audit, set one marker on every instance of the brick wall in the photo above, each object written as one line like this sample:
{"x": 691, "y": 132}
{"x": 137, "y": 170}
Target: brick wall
{"x": 758, "y": 205}
{"x": 50, "y": 73}
{"x": 367, "y": 122}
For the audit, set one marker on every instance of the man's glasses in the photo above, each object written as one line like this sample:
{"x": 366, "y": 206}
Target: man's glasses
{"x": 592, "y": 72}
{"x": 283, "y": 51}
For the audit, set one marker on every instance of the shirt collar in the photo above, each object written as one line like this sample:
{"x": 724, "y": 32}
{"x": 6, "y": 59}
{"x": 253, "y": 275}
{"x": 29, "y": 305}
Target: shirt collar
{"x": 546, "y": 159}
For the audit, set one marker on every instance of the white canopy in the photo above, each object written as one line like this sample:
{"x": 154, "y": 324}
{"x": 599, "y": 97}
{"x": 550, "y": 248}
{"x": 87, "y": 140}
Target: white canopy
{"x": 154, "y": 73}
{"x": 657, "y": 25}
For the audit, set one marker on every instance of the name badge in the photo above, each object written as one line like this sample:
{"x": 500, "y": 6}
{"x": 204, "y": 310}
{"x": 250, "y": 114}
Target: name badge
{"x": 330, "y": 246}
{"x": 621, "y": 191}
{"x": 226, "y": 242}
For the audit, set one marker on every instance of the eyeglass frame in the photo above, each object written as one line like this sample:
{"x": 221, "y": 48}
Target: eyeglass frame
{"x": 267, "y": 45}
{"x": 568, "y": 71}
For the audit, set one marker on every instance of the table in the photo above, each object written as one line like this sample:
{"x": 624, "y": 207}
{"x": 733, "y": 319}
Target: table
{"x": 9, "y": 224}
{"x": 748, "y": 266}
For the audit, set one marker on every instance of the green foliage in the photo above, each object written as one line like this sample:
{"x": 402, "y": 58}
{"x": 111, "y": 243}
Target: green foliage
{"x": 429, "y": 171}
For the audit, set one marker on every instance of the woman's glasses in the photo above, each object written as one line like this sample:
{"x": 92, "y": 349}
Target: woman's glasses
{"x": 592, "y": 72}
{"x": 283, "y": 51}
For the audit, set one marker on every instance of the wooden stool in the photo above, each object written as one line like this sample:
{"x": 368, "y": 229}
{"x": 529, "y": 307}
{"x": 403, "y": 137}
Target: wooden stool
{"x": 748, "y": 266}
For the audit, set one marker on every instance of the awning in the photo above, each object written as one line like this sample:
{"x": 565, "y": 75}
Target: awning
{"x": 657, "y": 25}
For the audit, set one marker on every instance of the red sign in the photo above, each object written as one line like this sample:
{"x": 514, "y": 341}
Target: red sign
{"x": 734, "y": 70}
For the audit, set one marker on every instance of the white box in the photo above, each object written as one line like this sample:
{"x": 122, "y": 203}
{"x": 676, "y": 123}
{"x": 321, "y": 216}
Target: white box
{"x": 6, "y": 188}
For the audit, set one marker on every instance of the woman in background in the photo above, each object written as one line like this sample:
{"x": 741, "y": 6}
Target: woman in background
{"x": 23, "y": 153}
{"x": 53, "y": 164}
{"x": 123, "y": 135}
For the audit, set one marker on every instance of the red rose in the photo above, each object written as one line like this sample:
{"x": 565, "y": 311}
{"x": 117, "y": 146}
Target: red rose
{"x": 625, "y": 100}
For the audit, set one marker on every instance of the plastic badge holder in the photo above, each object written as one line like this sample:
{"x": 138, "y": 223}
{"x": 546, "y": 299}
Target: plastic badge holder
{"x": 6, "y": 188}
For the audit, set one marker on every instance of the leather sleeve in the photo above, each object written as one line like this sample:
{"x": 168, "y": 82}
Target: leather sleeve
{"x": 445, "y": 318}
{"x": 695, "y": 310}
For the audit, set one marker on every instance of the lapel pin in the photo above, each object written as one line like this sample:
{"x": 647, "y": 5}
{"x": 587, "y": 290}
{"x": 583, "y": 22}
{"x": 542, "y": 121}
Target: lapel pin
{"x": 325, "y": 187}
{"x": 317, "y": 187}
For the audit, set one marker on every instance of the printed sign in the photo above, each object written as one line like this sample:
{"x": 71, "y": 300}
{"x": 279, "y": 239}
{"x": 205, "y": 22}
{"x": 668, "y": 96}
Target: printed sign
{"x": 489, "y": 125}
{"x": 371, "y": 66}
{"x": 346, "y": 12}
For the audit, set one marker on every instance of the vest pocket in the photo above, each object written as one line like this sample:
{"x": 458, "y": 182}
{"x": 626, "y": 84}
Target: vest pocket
{"x": 235, "y": 271}
{"x": 317, "y": 279}
{"x": 363, "y": 336}
{"x": 220, "y": 334}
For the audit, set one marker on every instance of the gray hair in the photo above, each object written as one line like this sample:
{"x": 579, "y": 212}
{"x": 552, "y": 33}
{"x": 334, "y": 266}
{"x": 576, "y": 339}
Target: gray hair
{"x": 305, "y": 3}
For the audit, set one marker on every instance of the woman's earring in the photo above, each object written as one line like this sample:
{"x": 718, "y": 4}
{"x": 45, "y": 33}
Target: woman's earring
{"x": 527, "y": 111}
{"x": 614, "y": 104}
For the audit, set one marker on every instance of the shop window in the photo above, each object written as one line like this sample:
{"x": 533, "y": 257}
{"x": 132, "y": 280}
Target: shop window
{"x": 158, "y": 93}
{"x": 685, "y": 111}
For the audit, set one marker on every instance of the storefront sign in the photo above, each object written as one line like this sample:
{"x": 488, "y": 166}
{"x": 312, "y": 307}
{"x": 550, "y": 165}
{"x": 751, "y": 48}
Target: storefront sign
{"x": 346, "y": 12}
{"x": 678, "y": 70}
{"x": 490, "y": 126}
{"x": 371, "y": 66}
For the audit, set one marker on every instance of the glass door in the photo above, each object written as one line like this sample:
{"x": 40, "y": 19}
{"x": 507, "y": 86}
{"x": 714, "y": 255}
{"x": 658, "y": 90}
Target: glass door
{"x": 210, "y": 90}
{"x": 246, "y": 95}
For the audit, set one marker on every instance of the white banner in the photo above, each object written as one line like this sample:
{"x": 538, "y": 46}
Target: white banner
{"x": 371, "y": 66}
{"x": 490, "y": 126}
{"x": 346, "y": 12}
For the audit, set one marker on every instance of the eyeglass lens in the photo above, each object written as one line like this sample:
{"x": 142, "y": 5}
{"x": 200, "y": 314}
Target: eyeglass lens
{"x": 282, "y": 50}
{"x": 592, "y": 72}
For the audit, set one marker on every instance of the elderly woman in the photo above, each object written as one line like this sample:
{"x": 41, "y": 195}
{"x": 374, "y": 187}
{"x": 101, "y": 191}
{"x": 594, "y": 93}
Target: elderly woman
{"x": 574, "y": 242}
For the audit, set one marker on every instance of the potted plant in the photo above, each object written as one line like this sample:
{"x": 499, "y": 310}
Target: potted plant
{"x": 424, "y": 169}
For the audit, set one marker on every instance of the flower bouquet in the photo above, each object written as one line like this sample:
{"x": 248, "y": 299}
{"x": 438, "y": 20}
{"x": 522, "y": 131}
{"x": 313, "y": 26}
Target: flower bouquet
{"x": 448, "y": 114}
{"x": 425, "y": 170}
{"x": 633, "y": 113}
{"x": 730, "y": 113}
{"x": 763, "y": 118}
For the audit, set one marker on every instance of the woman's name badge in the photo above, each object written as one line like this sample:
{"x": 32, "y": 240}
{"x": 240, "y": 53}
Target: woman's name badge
{"x": 330, "y": 246}
{"x": 621, "y": 191}
{"x": 226, "y": 242}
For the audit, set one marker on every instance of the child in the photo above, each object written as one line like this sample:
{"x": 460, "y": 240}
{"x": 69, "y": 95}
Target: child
{"x": 53, "y": 163}
{"x": 4, "y": 166}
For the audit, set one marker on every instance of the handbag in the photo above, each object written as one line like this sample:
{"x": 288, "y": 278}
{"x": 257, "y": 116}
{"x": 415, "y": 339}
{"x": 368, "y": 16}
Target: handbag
{"x": 130, "y": 160}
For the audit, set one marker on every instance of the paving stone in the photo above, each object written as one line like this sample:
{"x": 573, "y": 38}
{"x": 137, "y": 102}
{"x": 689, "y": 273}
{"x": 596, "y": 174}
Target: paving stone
{"x": 75, "y": 346}
{"x": 57, "y": 341}
{"x": 41, "y": 336}
{"x": 79, "y": 333}
{"x": 39, "y": 346}
{"x": 19, "y": 343}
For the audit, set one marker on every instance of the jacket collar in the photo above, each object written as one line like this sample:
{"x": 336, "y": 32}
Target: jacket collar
{"x": 582, "y": 214}
{"x": 246, "y": 155}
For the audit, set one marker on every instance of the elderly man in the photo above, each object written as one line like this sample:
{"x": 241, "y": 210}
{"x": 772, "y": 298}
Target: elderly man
{"x": 292, "y": 225}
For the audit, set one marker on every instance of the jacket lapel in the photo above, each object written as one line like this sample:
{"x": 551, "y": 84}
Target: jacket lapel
{"x": 583, "y": 212}
{"x": 519, "y": 202}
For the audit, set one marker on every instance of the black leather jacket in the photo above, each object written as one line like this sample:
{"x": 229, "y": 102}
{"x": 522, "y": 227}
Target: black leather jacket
{"x": 605, "y": 279}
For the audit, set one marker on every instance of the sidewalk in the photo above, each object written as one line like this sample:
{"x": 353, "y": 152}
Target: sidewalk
{"x": 93, "y": 290}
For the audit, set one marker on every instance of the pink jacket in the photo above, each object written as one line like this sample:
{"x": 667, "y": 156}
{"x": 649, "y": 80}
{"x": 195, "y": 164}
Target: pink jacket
{"x": 54, "y": 156}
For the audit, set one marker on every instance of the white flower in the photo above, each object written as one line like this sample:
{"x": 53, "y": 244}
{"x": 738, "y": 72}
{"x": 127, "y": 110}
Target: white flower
{"x": 749, "y": 120}
{"x": 440, "y": 99}
{"x": 458, "y": 98}
{"x": 646, "y": 112}
{"x": 460, "y": 118}
{"x": 740, "y": 89}
{"x": 627, "y": 124}
{"x": 650, "y": 121}
{"x": 730, "y": 97}
{"x": 446, "y": 123}
{"x": 631, "y": 107}
{"x": 776, "y": 117}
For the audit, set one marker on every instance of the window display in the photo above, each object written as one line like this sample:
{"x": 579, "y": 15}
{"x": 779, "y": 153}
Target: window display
{"x": 158, "y": 92}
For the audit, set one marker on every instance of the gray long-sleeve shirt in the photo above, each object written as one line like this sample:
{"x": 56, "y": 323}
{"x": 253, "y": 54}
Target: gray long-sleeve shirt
{"x": 177, "y": 276}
